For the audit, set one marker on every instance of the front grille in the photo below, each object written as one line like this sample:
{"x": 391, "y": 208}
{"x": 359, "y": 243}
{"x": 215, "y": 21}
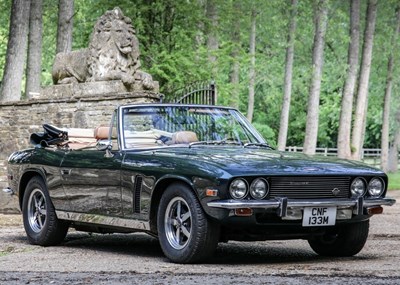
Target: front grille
{"x": 310, "y": 187}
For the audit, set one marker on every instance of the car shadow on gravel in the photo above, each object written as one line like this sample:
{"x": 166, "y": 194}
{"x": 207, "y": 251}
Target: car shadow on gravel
{"x": 15, "y": 238}
{"x": 234, "y": 253}
{"x": 128, "y": 244}
{"x": 245, "y": 253}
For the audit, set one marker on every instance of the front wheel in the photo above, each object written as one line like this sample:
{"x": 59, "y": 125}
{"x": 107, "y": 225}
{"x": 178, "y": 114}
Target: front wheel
{"x": 185, "y": 233}
{"x": 343, "y": 241}
{"x": 40, "y": 221}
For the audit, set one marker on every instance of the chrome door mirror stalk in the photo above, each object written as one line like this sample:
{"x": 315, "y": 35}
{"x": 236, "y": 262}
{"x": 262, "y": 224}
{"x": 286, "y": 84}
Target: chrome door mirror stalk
{"x": 103, "y": 145}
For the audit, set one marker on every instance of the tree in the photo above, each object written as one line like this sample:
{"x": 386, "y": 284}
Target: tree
{"x": 287, "y": 93}
{"x": 16, "y": 51}
{"x": 252, "y": 69}
{"x": 34, "y": 63}
{"x": 343, "y": 144}
{"x": 358, "y": 131}
{"x": 235, "y": 71}
{"x": 320, "y": 22}
{"x": 65, "y": 25}
{"x": 388, "y": 94}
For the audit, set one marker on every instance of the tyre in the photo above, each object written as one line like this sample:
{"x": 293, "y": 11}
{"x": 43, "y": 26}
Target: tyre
{"x": 40, "y": 221}
{"x": 346, "y": 240}
{"x": 185, "y": 233}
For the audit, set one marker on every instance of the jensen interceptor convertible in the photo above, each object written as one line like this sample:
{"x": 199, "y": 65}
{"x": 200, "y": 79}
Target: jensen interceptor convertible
{"x": 193, "y": 176}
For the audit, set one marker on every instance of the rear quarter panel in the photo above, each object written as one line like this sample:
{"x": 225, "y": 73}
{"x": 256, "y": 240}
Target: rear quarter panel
{"x": 44, "y": 162}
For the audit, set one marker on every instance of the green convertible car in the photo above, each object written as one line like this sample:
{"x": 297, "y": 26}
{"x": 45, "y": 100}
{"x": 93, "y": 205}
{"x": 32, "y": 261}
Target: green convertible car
{"x": 192, "y": 175}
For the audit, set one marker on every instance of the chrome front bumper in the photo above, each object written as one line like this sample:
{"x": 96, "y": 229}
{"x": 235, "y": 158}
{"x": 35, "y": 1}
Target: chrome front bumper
{"x": 282, "y": 204}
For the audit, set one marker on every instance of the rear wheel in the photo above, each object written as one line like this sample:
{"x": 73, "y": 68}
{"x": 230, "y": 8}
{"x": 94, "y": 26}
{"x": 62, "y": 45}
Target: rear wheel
{"x": 185, "y": 233}
{"x": 40, "y": 221}
{"x": 345, "y": 240}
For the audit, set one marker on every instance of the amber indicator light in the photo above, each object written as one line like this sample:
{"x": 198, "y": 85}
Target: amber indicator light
{"x": 243, "y": 212}
{"x": 375, "y": 210}
{"x": 211, "y": 193}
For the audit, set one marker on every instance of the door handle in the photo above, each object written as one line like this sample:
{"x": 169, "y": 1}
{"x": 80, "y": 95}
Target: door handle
{"x": 65, "y": 171}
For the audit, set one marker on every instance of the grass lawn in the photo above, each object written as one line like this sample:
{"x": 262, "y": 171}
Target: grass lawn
{"x": 394, "y": 181}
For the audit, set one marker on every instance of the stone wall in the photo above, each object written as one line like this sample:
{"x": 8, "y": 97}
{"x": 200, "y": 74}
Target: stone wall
{"x": 84, "y": 105}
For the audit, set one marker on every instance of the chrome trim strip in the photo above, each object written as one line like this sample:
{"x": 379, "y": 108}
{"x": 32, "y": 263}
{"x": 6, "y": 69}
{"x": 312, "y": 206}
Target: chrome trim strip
{"x": 297, "y": 203}
{"x": 103, "y": 220}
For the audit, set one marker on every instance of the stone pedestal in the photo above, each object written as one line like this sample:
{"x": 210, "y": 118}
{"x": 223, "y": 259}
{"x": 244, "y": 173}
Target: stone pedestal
{"x": 99, "y": 88}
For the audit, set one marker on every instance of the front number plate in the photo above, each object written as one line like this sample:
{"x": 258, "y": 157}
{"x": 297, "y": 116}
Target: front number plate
{"x": 319, "y": 216}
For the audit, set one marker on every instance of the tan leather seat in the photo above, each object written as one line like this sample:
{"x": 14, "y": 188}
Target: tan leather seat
{"x": 184, "y": 137}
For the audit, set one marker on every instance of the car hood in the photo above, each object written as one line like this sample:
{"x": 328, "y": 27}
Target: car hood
{"x": 260, "y": 161}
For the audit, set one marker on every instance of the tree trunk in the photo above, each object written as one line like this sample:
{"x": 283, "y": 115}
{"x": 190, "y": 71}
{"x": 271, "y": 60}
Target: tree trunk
{"x": 16, "y": 51}
{"x": 320, "y": 21}
{"x": 388, "y": 94}
{"x": 287, "y": 93}
{"x": 212, "y": 35}
{"x": 199, "y": 38}
{"x": 393, "y": 164}
{"x": 235, "y": 72}
{"x": 34, "y": 64}
{"x": 65, "y": 25}
{"x": 344, "y": 148}
{"x": 357, "y": 139}
{"x": 252, "y": 70}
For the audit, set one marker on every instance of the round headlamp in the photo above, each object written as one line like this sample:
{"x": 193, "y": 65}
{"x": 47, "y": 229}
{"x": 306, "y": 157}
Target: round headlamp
{"x": 259, "y": 188}
{"x": 375, "y": 187}
{"x": 357, "y": 187}
{"x": 238, "y": 188}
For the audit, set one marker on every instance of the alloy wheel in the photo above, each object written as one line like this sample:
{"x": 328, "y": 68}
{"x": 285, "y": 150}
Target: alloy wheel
{"x": 37, "y": 210}
{"x": 178, "y": 223}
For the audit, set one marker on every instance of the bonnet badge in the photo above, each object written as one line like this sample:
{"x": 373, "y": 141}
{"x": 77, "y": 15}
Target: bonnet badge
{"x": 336, "y": 191}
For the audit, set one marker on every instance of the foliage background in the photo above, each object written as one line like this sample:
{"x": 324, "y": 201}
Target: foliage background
{"x": 172, "y": 36}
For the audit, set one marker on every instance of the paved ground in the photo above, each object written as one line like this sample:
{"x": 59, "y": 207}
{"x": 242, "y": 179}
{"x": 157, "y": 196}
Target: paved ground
{"x": 137, "y": 259}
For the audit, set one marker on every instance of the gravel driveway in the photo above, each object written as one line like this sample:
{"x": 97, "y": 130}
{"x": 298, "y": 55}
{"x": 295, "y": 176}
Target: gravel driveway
{"x": 138, "y": 259}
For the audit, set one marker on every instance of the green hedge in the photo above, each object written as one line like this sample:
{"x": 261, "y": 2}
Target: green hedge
{"x": 394, "y": 181}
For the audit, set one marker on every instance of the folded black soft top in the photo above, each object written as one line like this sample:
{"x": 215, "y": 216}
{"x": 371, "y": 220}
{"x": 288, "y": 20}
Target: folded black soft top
{"x": 50, "y": 136}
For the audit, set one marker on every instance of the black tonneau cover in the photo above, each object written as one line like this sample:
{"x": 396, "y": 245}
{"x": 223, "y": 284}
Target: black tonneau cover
{"x": 50, "y": 136}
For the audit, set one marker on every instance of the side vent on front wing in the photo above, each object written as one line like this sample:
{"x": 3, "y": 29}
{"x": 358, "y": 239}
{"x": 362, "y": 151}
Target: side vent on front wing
{"x": 136, "y": 194}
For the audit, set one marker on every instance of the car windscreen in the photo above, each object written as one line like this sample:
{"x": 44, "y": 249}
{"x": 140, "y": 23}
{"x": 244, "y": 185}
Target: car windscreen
{"x": 194, "y": 125}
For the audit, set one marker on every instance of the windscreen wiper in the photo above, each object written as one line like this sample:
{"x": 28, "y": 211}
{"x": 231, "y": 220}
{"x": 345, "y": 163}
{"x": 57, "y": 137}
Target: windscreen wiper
{"x": 218, "y": 142}
{"x": 258, "y": 145}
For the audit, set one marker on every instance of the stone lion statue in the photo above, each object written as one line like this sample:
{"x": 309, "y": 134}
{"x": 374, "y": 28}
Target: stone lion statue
{"x": 113, "y": 54}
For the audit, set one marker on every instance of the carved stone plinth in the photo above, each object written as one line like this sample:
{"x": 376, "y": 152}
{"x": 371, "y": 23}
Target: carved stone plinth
{"x": 99, "y": 88}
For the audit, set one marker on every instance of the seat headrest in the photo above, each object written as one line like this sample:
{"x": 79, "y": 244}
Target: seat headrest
{"x": 101, "y": 133}
{"x": 184, "y": 137}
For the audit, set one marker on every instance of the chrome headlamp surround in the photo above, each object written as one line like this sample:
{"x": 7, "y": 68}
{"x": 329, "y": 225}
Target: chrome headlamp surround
{"x": 238, "y": 188}
{"x": 358, "y": 187}
{"x": 376, "y": 186}
{"x": 259, "y": 188}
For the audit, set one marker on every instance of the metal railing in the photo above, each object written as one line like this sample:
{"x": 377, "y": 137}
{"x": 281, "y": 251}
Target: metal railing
{"x": 370, "y": 156}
